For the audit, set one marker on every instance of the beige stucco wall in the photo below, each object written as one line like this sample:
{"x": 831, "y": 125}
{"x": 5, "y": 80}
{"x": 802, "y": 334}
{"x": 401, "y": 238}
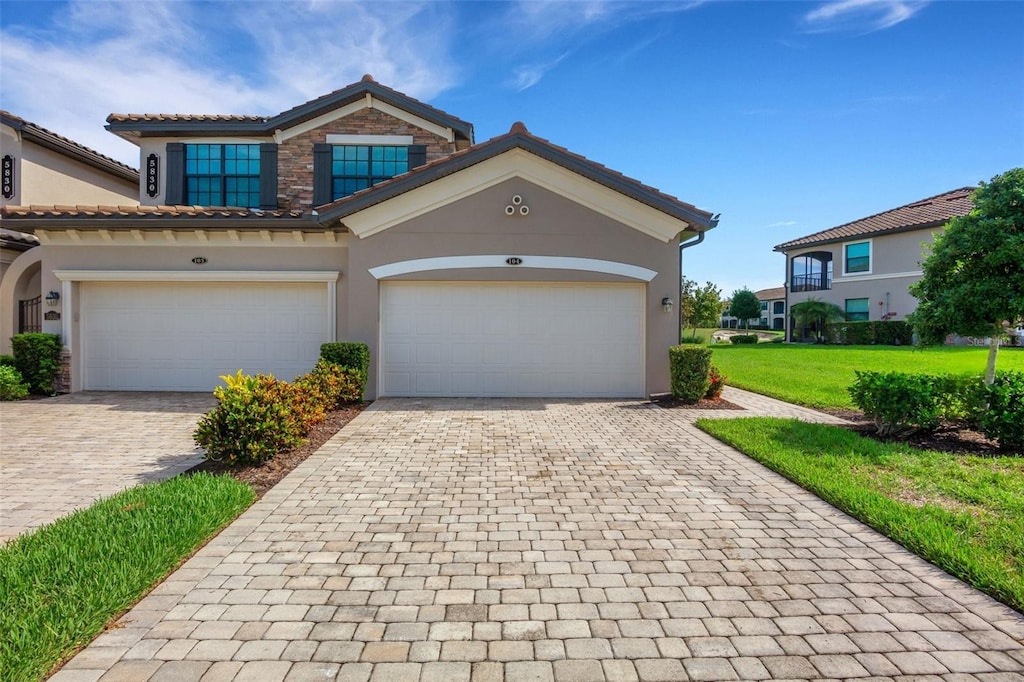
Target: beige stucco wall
{"x": 46, "y": 177}
{"x": 895, "y": 265}
{"x": 555, "y": 226}
{"x": 160, "y": 257}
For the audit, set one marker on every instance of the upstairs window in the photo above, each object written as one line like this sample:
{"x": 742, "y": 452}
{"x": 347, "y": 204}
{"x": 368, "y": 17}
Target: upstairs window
{"x": 356, "y": 167}
{"x": 858, "y": 257}
{"x": 856, "y": 310}
{"x": 779, "y": 308}
{"x": 764, "y": 305}
{"x": 222, "y": 175}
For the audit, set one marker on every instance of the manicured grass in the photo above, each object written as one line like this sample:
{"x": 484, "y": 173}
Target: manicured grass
{"x": 964, "y": 514}
{"x": 817, "y": 376}
{"x": 61, "y": 584}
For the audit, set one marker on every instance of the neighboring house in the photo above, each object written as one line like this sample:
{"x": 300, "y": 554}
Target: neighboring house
{"x": 511, "y": 267}
{"x": 865, "y": 267}
{"x": 40, "y": 167}
{"x": 773, "y": 311}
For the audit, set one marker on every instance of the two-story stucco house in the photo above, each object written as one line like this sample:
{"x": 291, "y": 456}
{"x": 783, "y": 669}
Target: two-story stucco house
{"x": 866, "y": 266}
{"x": 511, "y": 267}
{"x": 44, "y": 168}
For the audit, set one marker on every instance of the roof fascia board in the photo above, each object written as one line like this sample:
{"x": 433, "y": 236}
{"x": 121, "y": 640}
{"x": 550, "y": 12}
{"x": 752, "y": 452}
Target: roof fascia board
{"x": 514, "y": 163}
{"x": 696, "y": 221}
{"x": 282, "y": 134}
{"x": 285, "y": 119}
{"x": 783, "y": 248}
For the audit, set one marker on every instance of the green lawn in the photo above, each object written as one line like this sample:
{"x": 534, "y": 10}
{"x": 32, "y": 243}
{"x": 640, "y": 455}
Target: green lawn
{"x": 817, "y": 376}
{"x": 964, "y": 514}
{"x": 60, "y": 585}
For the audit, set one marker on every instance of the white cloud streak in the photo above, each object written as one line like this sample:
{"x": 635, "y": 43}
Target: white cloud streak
{"x": 861, "y": 15}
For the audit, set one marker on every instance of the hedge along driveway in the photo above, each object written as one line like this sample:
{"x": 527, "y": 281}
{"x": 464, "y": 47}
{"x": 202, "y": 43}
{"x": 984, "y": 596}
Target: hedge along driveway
{"x": 818, "y": 376}
{"x": 60, "y": 454}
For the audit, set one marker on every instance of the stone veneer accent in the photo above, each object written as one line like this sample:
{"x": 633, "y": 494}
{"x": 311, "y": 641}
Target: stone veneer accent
{"x": 295, "y": 155}
{"x": 62, "y": 382}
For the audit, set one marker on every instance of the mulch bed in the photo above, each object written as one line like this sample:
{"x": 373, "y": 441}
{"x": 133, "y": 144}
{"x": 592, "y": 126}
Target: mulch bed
{"x": 702, "y": 404}
{"x": 263, "y": 477}
{"x": 948, "y": 438}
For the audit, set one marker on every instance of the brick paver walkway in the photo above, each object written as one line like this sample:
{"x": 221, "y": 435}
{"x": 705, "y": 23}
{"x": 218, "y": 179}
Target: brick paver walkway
{"x": 537, "y": 540}
{"x": 60, "y": 454}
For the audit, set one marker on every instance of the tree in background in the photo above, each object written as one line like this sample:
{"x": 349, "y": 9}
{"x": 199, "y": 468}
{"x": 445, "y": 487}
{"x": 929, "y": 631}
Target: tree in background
{"x": 817, "y": 313}
{"x": 700, "y": 306}
{"x": 745, "y": 306}
{"x": 973, "y": 281}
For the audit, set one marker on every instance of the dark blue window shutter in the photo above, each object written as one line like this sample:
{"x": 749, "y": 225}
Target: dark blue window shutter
{"x": 175, "y": 191}
{"x": 268, "y": 176}
{"x": 417, "y": 155}
{"x": 322, "y": 192}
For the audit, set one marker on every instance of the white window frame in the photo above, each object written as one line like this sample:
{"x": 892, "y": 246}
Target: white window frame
{"x": 871, "y": 257}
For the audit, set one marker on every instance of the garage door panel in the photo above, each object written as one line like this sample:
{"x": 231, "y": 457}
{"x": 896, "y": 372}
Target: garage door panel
{"x": 528, "y": 339}
{"x": 184, "y": 336}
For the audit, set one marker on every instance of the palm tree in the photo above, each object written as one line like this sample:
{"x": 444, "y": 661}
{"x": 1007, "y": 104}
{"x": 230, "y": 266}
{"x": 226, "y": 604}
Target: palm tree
{"x": 817, "y": 313}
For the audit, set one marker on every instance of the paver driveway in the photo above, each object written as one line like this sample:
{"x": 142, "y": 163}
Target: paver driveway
{"x": 60, "y": 454}
{"x": 530, "y": 540}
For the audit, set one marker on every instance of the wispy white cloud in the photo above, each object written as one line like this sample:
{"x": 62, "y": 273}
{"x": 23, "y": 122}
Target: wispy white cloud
{"x": 783, "y": 223}
{"x": 531, "y": 25}
{"x": 861, "y": 15}
{"x": 170, "y": 56}
{"x": 527, "y": 75}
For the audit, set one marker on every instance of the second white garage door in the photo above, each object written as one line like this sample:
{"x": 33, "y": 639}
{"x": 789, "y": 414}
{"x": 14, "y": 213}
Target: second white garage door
{"x": 155, "y": 336}
{"x": 483, "y": 339}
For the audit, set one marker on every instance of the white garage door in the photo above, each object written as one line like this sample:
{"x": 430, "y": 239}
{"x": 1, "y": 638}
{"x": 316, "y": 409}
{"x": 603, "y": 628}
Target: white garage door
{"x": 476, "y": 339}
{"x": 149, "y": 336}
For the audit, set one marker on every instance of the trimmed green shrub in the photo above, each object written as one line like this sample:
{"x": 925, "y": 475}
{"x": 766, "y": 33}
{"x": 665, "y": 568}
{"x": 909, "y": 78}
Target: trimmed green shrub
{"x": 333, "y": 385}
{"x": 716, "y": 384}
{"x": 882, "y": 332}
{"x": 255, "y": 418}
{"x": 898, "y": 403}
{"x": 743, "y": 338}
{"x": 1003, "y": 421}
{"x": 7, "y": 361}
{"x": 778, "y": 339}
{"x": 963, "y": 399}
{"x": 351, "y": 355}
{"x": 689, "y": 367}
{"x": 12, "y": 386}
{"x": 37, "y": 358}
{"x": 347, "y": 354}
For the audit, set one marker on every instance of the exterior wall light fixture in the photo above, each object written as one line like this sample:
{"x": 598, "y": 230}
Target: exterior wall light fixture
{"x": 666, "y": 304}
{"x": 52, "y": 298}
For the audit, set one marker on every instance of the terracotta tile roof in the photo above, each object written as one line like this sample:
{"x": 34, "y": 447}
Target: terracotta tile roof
{"x": 355, "y": 87}
{"x": 518, "y": 136}
{"x": 15, "y": 238}
{"x": 135, "y": 118}
{"x": 930, "y": 212}
{"x": 770, "y": 294}
{"x": 115, "y": 212}
{"x": 48, "y": 138}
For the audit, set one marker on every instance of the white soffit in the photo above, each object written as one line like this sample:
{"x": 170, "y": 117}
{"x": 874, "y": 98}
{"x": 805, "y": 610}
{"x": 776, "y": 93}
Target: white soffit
{"x": 511, "y": 164}
{"x": 540, "y": 262}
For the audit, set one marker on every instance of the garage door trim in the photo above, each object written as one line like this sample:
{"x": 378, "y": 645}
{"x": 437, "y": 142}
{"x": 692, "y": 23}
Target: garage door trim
{"x": 381, "y": 300}
{"x": 607, "y": 267}
{"x": 70, "y": 277}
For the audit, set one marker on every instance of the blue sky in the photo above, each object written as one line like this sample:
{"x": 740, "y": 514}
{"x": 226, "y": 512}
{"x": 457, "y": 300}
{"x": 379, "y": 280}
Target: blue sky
{"x": 786, "y": 118}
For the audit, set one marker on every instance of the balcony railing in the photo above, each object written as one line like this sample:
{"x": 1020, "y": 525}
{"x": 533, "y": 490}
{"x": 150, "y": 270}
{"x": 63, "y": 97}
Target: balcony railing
{"x": 810, "y": 283}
